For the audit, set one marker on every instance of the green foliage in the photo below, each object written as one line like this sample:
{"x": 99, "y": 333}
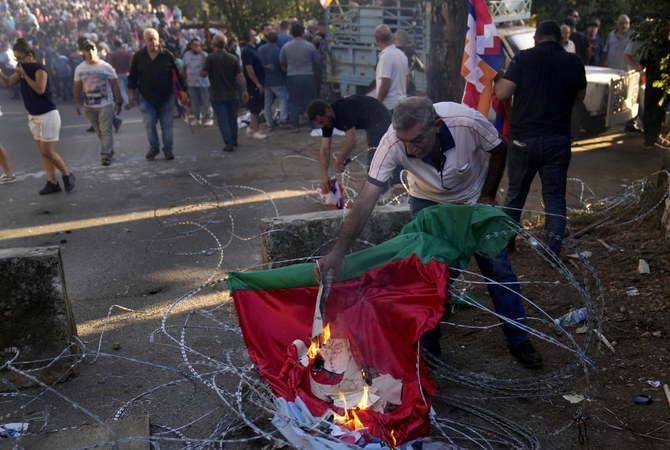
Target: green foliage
{"x": 241, "y": 15}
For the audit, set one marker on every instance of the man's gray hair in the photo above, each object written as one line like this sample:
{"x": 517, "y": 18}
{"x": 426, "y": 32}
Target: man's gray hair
{"x": 149, "y": 31}
{"x": 412, "y": 111}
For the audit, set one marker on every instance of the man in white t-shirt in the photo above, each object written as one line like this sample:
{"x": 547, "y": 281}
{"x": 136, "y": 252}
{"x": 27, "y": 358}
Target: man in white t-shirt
{"x": 102, "y": 96}
{"x": 392, "y": 70}
{"x": 444, "y": 147}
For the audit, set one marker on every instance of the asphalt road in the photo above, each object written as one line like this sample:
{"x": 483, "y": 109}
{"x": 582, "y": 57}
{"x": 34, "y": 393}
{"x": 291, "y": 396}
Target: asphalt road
{"x": 139, "y": 235}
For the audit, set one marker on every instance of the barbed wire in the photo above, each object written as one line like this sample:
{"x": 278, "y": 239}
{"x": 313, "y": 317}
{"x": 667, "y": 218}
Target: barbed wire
{"x": 224, "y": 401}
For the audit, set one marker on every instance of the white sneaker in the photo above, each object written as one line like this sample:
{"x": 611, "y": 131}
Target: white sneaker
{"x": 250, "y": 132}
{"x": 208, "y": 123}
{"x": 4, "y": 178}
{"x": 260, "y": 135}
{"x": 195, "y": 122}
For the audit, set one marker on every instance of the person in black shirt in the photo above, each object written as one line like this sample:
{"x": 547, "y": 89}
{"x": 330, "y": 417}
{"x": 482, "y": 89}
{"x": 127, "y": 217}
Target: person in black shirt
{"x": 347, "y": 114}
{"x": 150, "y": 86}
{"x": 545, "y": 82}
{"x": 582, "y": 47}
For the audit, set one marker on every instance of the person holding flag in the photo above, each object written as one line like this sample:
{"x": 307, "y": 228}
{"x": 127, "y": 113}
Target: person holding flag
{"x": 151, "y": 85}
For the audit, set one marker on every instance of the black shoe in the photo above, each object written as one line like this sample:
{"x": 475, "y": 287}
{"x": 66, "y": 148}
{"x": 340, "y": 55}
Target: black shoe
{"x": 526, "y": 354}
{"x": 50, "y": 188}
{"x": 228, "y": 148}
{"x": 117, "y": 125}
{"x": 68, "y": 182}
{"x": 106, "y": 160}
{"x": 169, "y": 156}
{"x": 90, "y": 129}
{"x": 151, "y": 154}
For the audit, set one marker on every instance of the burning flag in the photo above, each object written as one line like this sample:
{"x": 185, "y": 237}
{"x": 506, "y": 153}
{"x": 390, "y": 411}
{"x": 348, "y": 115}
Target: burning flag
{"x": 483, "y": 57}
{"x": 326, "y": 3}
{"x": 383, "y": 300}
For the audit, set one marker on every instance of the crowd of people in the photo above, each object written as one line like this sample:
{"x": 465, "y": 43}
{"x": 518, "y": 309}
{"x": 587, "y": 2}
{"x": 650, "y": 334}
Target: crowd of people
{"x": 620, "y": 49}
{"x": 97, "y": 54}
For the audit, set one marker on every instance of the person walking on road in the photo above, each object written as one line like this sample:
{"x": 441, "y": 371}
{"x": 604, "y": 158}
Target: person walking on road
{"x": 223, "y": 69}
{"x": 298, "y": 58}
{"x": 198, "y": 86}
{"x": 150, "y": 85}
{"x": 254, "y": 74}
{"x": 275, "y": 82}
{"x": 7, "y": 174}
{"x": 43, "y": 116}
{"x": 98, "y": 81}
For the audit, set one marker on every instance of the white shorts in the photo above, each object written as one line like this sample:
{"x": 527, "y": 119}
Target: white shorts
{"x": 45, "y": 127}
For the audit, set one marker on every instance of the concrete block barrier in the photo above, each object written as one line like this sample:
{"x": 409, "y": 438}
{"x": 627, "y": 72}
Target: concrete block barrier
{"x": 287, "y": 239}
{"x": 36, "y": 321}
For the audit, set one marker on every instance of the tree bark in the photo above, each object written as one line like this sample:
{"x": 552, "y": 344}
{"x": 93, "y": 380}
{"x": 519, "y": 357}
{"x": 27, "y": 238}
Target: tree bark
{"x": 447, "y": 40}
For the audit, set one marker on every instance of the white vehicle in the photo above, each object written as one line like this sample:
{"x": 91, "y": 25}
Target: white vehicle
{"x": 611, "y": 94}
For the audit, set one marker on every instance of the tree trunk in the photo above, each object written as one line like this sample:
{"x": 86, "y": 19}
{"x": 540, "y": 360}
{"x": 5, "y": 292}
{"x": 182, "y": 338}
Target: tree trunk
{"x": 447, "y": 40}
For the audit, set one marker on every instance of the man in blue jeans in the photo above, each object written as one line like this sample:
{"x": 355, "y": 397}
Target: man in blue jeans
{"x": 151, "y": 72}
{"x": 444, "y": 148}
{"x": 545, "y": 81}
{"x": 223, "y": 69}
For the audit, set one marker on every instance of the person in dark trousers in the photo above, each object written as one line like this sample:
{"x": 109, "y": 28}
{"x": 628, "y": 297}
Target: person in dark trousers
{"x": 347, "y": 114}
{"x": 150, "y": 85}
{"x": 545, "y": 82}
{"x": 224, "y": 72}
{"x": 431, "y": 141}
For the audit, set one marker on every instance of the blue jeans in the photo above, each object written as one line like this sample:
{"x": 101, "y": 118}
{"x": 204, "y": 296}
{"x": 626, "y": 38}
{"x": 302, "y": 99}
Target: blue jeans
{"x": 123, "y": 85}
{"x": 301, "y": 91}
{"x": 505, "y": 292}
{"x": 151, "y": 115}
{"x": 226, "y": 119}
{"x": 199, "y": 98}
{"x": 102, "y": 119}
{"x": 281, "y": 93}
{"x": 550, "y": 157}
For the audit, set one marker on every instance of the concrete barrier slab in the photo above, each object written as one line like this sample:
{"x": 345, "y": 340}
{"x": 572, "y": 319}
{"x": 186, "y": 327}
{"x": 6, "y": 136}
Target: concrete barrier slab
{"x": 35, "y": 318}
{"x": 131, "y": 433}
{"x": 287, "y": 238}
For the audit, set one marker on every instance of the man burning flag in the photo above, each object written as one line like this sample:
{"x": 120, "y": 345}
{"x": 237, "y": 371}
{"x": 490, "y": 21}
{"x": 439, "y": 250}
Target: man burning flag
{"x": 384, "y": 299}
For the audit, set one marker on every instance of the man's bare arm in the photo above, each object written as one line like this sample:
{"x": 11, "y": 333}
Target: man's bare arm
{"x": 383, "y": 90}
{"x": 347, "y": 147}
{"x": 504, "y": 89}
{"x": 324, "y": 160}
{"x": 492, "y": 181}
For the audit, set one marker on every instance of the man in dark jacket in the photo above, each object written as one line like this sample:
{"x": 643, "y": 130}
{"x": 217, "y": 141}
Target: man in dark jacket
{"x": 545, "y": 81}
{"x": 150, "y": 86}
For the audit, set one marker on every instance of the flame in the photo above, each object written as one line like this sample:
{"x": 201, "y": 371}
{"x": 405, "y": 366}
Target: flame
{"x": 363, "y": 404}
{"x": 326, "y": 334}
{"x": 352, "y": 422}
{"x": 356, "y": 422}
{"x": 318, "y": 341}
{"x": 395, "y": 442}
{"x": 344, "y": 400}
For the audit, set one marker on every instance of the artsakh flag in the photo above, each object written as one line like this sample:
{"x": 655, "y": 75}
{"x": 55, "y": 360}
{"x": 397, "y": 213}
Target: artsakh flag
{"x": 383, "y": 300}
{"x": 181, "y": 95}
{"x": 483, "y": 57}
